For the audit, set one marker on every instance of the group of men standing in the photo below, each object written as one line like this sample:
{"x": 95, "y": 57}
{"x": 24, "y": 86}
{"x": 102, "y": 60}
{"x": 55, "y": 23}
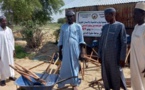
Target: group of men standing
{"x": 112, "y": 50}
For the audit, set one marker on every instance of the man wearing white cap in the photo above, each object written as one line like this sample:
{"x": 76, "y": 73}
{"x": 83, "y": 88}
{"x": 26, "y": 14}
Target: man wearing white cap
{"x": 6, "y": 51}
{"x": 71, "y": 45}
{"x": 138, "y": 48}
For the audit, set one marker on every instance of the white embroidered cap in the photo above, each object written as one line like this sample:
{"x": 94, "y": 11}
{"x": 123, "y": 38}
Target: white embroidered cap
{"x": 140, "y": 5}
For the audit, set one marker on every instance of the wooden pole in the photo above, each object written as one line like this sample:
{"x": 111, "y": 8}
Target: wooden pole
{"x": 37, "y": 65}
{"x": 47, "y": 69}
{"x": 127, "y": 55}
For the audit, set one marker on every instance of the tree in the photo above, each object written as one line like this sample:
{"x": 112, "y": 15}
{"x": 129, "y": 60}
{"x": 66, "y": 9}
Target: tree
{"x": 48, "y": 7}
{"x": 22, "y": 10}
{"x": 52, "y": 6}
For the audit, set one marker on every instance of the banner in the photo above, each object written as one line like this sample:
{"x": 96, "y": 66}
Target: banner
{"x": 92, "y": 22}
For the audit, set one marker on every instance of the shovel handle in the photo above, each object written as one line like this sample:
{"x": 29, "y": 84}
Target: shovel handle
{"x": 66, "y": 79}
{"x": 33, "y": 74}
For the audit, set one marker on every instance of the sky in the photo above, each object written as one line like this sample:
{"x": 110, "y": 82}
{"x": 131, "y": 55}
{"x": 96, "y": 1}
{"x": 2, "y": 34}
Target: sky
{"x": 60, "y": 15}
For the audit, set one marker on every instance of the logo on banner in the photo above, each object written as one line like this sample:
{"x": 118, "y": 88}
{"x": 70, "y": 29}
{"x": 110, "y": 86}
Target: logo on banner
{"x": 94, "y": 16}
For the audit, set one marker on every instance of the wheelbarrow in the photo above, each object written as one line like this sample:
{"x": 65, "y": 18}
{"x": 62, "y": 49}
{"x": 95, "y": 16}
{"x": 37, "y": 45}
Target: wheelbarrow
{"x": 51, "y": 81}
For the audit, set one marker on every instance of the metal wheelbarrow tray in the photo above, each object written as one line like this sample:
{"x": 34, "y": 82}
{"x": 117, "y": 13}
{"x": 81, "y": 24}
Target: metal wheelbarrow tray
{"x": 51, "y": 81}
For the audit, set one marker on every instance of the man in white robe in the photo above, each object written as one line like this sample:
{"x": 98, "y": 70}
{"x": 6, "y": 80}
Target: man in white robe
{"x": 6, "y": 51}
{"x": 138, "y": 48}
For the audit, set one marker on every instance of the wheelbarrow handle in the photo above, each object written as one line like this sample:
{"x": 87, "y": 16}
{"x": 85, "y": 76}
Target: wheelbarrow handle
{"x": 66, "y": 79}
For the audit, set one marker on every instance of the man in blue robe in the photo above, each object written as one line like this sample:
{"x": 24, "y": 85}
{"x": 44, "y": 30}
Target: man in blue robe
{"x": 112, "y": 52}
{"x": 71, "y": 46}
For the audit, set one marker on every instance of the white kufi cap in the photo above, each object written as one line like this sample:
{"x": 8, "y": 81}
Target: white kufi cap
{"x": 140, "y": 5}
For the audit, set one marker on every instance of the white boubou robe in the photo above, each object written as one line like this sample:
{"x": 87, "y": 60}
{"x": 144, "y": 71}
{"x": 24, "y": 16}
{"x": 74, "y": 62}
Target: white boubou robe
{"x": 138, "y": 57}
{"x": 6, "y": 53}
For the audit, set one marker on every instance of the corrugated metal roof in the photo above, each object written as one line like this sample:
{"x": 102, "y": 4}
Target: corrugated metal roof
{"x": 85, "y": 3}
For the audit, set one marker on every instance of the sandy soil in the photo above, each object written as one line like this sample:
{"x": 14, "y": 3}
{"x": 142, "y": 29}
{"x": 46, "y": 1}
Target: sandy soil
{"x": 91, "y": 73}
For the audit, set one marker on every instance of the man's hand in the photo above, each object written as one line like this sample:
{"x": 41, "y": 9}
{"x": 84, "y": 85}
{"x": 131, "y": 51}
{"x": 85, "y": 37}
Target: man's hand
{"x": 83, "y": 52}
{"x": 60, "y": 56}
{"x": 122, "y": 63}
{"x": 100, "y": 60}
{"x": 60, "y": 52}
{"x": 143, "y": 71}
{"x": 82, "y": 56}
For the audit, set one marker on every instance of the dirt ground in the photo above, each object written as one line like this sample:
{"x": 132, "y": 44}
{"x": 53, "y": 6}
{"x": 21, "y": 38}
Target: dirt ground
{"x": 91, "y": 73}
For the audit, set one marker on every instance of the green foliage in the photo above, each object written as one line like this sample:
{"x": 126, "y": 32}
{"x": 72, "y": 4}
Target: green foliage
{"x": 61, "y": 20}
{"x": 32, "y": 34}
{"x": 51, "y": 6}
{"x": 36, "y": 10}
{"x": 20, "y": 10}
{"x": 20, "y": 52}
{"x": 41, "y": 17}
